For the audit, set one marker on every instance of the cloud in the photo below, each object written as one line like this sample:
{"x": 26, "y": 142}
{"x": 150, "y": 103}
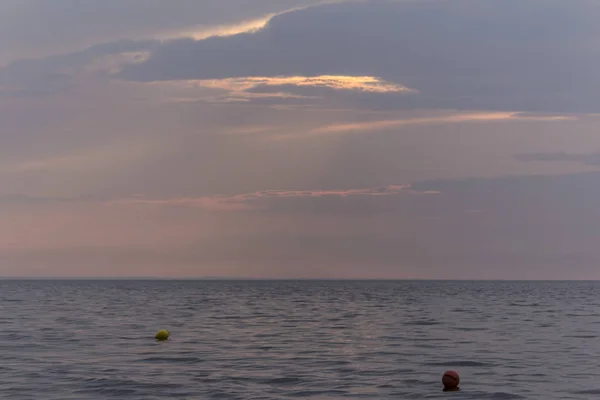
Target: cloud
{"x": 184, "y": 110}
{"x": 55, "y": 72}
{"x": 586, "y": 159}
{"x": 118, "y": 145}
{"x": 24, "y": 24}
{"x": 527, "y": 227}
{"x": 427, "y": 46}
{"x": 58, "y": 73}
{"x": 203, "y": 32}
{"x": 247, "y": 201}
{"x": 381, "y": 55}
{"x": 32, "y": 200}
{"x": 384, "y": 124}
{"x": 258, "y": 84}
{"x": 298, "y": 90}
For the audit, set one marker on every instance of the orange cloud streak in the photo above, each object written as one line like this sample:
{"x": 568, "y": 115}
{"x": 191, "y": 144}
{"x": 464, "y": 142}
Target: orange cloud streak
{"x": 467, "y": 117}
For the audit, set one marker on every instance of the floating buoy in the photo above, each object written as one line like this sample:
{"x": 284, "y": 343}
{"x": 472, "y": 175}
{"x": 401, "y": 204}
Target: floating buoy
{"x": 162, "y": 335}
{"x": 450, "y": 380}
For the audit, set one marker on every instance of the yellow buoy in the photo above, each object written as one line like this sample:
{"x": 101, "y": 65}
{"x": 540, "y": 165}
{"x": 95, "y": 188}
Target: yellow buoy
{"x": 162, "y": 335}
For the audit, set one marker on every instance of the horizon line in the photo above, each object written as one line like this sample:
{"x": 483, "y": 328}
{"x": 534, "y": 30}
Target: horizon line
{"x": 149, "y": 278}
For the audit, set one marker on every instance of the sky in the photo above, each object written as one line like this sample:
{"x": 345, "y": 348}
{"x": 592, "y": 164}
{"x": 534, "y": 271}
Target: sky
{"x": 376, "y": 139}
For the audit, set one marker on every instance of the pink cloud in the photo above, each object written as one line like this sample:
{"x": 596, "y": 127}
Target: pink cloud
{"x": 241, "y": 202}
{"x": 207, "y": 203}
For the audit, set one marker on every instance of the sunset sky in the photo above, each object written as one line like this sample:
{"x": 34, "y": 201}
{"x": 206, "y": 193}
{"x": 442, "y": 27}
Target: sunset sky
{"x": 300, "y": 138}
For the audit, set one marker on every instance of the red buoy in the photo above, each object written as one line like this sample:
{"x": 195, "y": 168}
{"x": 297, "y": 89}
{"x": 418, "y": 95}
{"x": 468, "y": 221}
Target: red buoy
{"x": 450, "y": 380}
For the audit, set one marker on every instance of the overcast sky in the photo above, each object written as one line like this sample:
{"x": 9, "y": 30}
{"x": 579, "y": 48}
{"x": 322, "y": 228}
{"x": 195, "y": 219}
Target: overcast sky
{"x": 300, "y": 138}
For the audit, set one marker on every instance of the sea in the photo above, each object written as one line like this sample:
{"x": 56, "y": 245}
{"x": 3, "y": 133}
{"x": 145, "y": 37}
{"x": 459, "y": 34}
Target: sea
{"x": 76, "y": 339}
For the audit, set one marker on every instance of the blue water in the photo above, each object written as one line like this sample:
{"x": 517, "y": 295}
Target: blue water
{"x": 288, "y": 340}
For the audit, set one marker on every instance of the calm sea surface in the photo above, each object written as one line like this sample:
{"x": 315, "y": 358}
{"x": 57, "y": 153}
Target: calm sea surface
{"x": 304, "y": 339}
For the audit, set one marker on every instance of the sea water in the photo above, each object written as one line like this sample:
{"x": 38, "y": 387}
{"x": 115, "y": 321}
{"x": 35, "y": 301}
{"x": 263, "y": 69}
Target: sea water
{"x": 298, "y": 339}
